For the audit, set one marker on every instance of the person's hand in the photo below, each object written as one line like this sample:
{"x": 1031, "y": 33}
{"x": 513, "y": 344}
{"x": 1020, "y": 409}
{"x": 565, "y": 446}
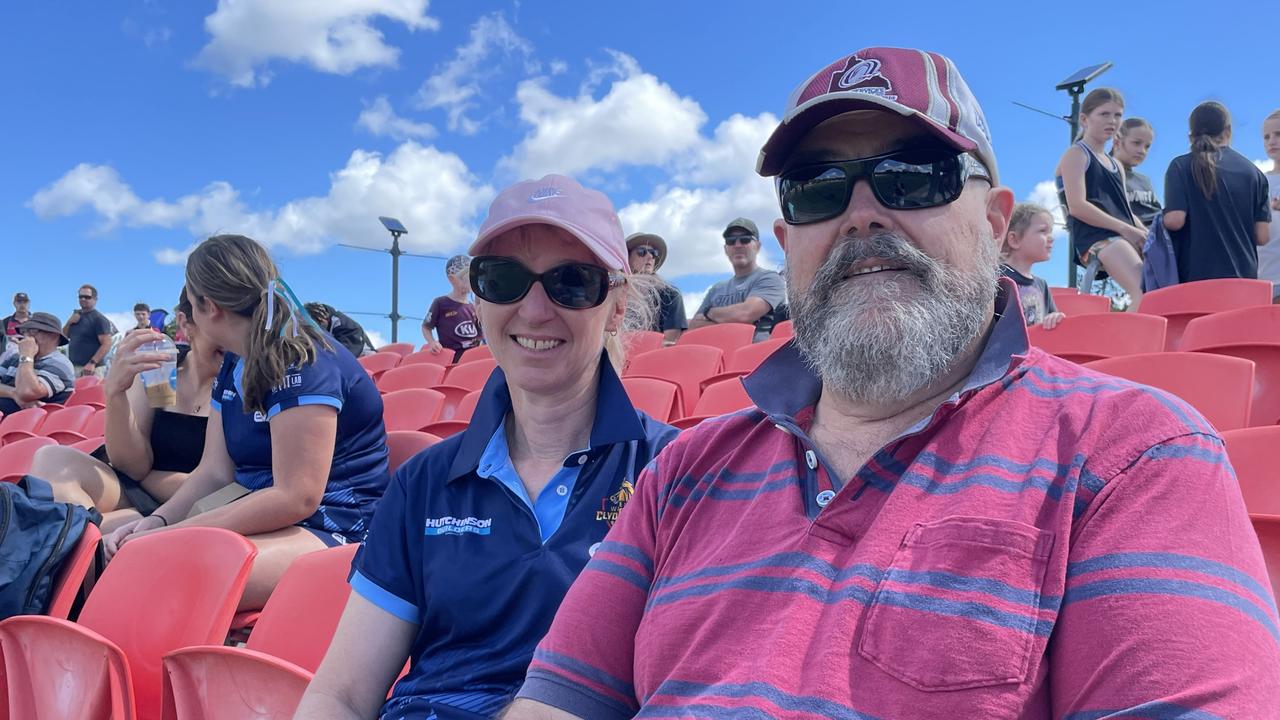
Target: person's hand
{"x": 129, "y": 362}
{"x": 27, "y": 347}
{"x": 75, "y": 317}
{"x": 90, "y": 368}
{"x": 1136, "y": 237}
{"x": 112, "y": 543}
{"x": 435, "y": 347}
{"x": 1051, "y": 320}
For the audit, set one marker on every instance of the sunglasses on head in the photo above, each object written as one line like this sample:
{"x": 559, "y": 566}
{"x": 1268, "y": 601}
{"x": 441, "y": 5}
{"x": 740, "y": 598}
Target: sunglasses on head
{"x": 739, "y": 239}
{"x": 910, "y": 179}
{"x": 576, "y": 286}
{"x": 645, "y": 250}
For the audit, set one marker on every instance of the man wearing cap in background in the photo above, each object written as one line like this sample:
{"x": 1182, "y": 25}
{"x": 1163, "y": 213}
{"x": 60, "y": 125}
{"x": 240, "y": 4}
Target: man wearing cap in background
{"x": 751, "y": 294}
{"x": 21, "y": 313}
{"x": 37, "y": 372}
{"x": 646, "y": 253}
{"x": 452, "y": 316}
{"x": 91, "y": 334}
{"x": 921, "y": 516}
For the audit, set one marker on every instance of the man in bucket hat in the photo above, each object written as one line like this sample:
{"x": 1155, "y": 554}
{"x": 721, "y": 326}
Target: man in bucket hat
{"x": 922, "y": 516}
{"x": 37, "y": 372}
{"x": 646, "y": 252}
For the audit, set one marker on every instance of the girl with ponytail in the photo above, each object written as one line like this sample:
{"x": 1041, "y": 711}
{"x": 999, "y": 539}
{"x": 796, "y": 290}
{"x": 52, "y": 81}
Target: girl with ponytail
{"x": 292, "y": 421}
{"x": 1216, "y": 205}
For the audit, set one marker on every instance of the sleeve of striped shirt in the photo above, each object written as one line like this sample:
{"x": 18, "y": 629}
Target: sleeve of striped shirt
{"x": 1167, "y": 610}
{"x": 584, "y": 664}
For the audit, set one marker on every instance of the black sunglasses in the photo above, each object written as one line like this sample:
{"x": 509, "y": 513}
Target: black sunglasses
{"x": 86, "y": 297}
{"x": 645, "y": 250}
{"x": 910, "y": 179}
{"x": 576, "y": 286}
{"x": 739, "y": 239}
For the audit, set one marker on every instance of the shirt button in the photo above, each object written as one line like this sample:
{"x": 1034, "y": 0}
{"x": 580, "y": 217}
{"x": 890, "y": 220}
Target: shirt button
{"x": 582, "y": 459}
{"x": 562, "y": 491}
{"x": 825, "y": 497}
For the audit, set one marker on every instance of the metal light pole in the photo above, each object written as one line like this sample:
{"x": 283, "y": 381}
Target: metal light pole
{"x": 1074, "y": 85}
{"x": 396, "y": 228}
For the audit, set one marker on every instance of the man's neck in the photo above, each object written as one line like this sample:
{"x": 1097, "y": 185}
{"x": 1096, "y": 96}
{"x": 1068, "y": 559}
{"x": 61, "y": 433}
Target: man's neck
{"x": 459, "y": 296}
{"x": 744, "y": 272}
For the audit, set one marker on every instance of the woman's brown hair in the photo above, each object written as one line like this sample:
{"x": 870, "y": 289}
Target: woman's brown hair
{"x": 234, "y": 272}
{"x": 1209, "y": 121}
{"x": 1096, "y": 98}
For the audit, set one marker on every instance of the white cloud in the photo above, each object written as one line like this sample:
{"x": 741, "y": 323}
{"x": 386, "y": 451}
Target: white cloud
{"x": 693, "y": 300}
{"x": 1265, "y": 166}
{"x": 639, "y": 121}
{"x": 458, "y": 86}
{"x": 1045, "y": 194}
{"x": 431, "y": 191}
{"x": 334, "y": 36}
{"x": 380, "y": 118}
{"x": 376, "y": 338}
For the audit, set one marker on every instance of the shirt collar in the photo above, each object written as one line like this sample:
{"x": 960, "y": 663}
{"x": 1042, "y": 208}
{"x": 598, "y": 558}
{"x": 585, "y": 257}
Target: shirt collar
{"x": 616, "y": 420}
{"x": 785, "y": 385}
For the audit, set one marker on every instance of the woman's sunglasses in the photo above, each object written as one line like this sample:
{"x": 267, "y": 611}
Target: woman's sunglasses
{"x": 910, "y": 179}
{"x": 576, "y": 286}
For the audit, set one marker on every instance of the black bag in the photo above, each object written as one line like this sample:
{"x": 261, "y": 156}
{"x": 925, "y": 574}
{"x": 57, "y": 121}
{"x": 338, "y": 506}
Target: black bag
{"x": 37, "y": 535}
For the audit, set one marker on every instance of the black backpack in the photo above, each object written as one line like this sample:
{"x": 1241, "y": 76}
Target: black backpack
{"x": 36, "y": 535}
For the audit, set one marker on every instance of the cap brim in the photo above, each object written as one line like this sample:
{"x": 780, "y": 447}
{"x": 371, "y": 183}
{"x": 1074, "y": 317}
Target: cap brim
{"x": 776, "y": 150}
{"x": 520, "y": 220}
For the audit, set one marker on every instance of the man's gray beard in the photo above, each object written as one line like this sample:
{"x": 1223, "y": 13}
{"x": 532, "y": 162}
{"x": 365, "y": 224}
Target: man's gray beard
{"x": 879, "y": 340}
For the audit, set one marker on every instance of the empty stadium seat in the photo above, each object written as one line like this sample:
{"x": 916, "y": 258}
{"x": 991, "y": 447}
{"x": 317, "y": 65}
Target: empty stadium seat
{"x": 1253, "y": 334}
{"x": 455, "y": 399}
{"x": 472, "y": 375}
{"x": 22, "y": 424}
{"x": 85, "y": 381}
{"x": 378, "y": 363}
{"x": 1185, "y": 302}
{"x": 726, "y": 336}
{"x": 399, "y": 348}
{"x": 1084, "y": 338}
{"x": 480, "y": 352}
{"x": 411, "y": 409}
{"x": 685, "y": 365}
{"x": 641, "y": 341}
{"x": 746, "y": 359}
{"x": 783, "y": 330}
{"x": 654, "y": 397}
{"x": 93, "y": 396}
{"x": 403, "y": 377}
{"x": 1080, "y": 304}
{"x": 72, "y": 573}
{"x": 444, "y": 357}
{"x": 1268, "y": 529}
{"x": 1255, "y": 456}
{"x": 57, "y": 669}
{"x": 1220, "y": 387}
{"x": 67, "y": 425}
{"x": 457, "y": 412}
{"x": 16, "y": 456}
{"x": 1058, "y": 292}
{"x": 404, "y": 444}
{"x": 89, "y": 445}
{"x": 446, "y": 428}
{"x": 720, "y": 398}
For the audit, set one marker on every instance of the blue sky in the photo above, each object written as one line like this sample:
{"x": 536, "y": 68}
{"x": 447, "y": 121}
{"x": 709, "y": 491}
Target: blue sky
{"x": 134, "y": 128}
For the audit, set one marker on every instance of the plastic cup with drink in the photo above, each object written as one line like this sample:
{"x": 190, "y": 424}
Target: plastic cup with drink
{"x": 161, "y": 384}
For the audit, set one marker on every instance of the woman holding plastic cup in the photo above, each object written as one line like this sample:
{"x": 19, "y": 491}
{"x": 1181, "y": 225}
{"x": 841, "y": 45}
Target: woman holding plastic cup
{"x": 150, "y": 447}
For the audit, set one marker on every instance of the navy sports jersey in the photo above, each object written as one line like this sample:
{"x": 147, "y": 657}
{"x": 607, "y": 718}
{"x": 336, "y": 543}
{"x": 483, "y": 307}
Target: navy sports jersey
{"x": 358, "y": 476}
{"x": 454, "y": 550}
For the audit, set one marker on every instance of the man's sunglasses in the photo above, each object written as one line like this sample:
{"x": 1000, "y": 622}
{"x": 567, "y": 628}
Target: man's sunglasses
{"x": 645, "y": 250}
{"x": 910, "y": 179}
{"x": 86, "y": 297}
{"x": 739, "y": 240}
{"x": 576, "y": 286}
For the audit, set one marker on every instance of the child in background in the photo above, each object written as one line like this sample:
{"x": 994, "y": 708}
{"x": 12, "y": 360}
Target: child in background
{"x": 1269, "y": 254}
{"x": 1029, "y": 241}
{"x": 1131, "y": 144}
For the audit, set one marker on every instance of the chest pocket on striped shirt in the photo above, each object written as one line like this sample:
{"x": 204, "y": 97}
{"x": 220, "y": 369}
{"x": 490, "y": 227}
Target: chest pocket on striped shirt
{"x": 958, "y": 607}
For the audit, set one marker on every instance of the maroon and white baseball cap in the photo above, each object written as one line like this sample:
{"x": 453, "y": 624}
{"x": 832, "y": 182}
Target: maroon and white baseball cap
{"x": 923, "y": 86}
{"x": 561, "y": 202}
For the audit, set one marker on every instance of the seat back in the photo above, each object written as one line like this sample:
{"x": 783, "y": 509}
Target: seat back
{"x": 1219, "y": 387}
{"x": 467, "y": 406}
{"x": 472, "y": 375}
{"x": 411, "y": 409}
{"x": 93, "y": 395}
{"x": 443, "y": 358}
{"x": 721, "y": 398}
{"x": 378, "y": 363}
{"x": 227, "y": 683}
{"x": 96, "y": 426}
{"x": 446, "y": 428}
{"x": 653, "y": 397}
{"x": 1268, "y": 529}
{"x": 1183, "y": 303}
{"x": 56, "y": 669}
{"x": 72, "y": 573}
{"x": 1080, "y": 304}
{"x": 85, "y": 381}
{"x": 15, "y": 457}
{"x": 479, "y": 352}
{"x": 66, "y": 426}
{"x": 749, "y": 357}
{"x": 726, "y": 336}
{"x": 1258, "y": 324}
{"x": 166, "y": 591}
{"x": 1255, "y": 456}
{"x": 404, "y": 444}
{"x": 685, "y": 365}
{"x": 1084, "y": 338}
{"x": 399, "y": 348}
{"x": 641, "y": 341}
{"x": 417, "y": 375}
{"x": 300, "y": 617}
{"x": 1266, "y": 375}
{"x": 783, "y": 330}
{"x": 22, "y": 424}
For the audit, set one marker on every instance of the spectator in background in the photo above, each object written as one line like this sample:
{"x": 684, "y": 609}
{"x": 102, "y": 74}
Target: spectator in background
{"x": 36, "y": 373}
{"x": 1130, "y": 146}
{"x": 141, "y": 316}
{"x": 148, "y": 452}
{"x": 1028, "y": 241}
{"x": 1216, "y": 205}
{"x": 646, "y": 253}
{"x": 1269, "y": 254}
{"x": 452, "y": 317}
{"x": 90, "y": 332}
{"x": 751, "y": 294}
{"x": 1091, "y": 185}
{"x": 346, "y": 331}
{"x": 21, "y": 313}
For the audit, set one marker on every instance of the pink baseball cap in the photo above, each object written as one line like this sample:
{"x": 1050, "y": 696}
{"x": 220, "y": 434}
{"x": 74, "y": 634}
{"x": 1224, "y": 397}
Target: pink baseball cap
{"x": 919, "y": 85}
{"x": 561, "y": 202}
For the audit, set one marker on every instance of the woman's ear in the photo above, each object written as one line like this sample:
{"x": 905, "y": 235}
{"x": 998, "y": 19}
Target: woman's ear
{"x": 619, "y": 312}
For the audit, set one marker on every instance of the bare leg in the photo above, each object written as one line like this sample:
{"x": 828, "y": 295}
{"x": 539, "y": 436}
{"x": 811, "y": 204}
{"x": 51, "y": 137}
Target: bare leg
{"x": 276, "y": 550}
{"x": 78, "y": 478}
{"x": 1124, "y": 264}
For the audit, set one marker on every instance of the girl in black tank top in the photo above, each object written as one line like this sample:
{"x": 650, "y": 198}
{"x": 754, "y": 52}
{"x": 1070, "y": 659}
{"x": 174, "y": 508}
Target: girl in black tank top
{"x": 1091, "y": 185}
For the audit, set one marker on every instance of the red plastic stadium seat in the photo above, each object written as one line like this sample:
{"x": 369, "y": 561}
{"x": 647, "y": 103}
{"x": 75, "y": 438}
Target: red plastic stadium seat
{"x": 1220, "y": 387}
{"x": 653, "y": 397}
{"x": 1085, "y": 338}
{"x": 446, "y": 428}
{"x": 403, "y": 377}
{"x": 685, "y": 365}
{"x": 641, "y": 341}
{"x": 404, "y": 444}
{"x": 1268, "y": 529}
{"x": 454, "y": 400}
{"x": 1255, "y": 455}
{"x": 85, "y": 381}
{"x": 94, "y": 396}
{"x": 1078, "y": 304}
{"x": 1058, "y": 292}
{"x": 783, "y": 331}
{"x": 230, "y": 683}
{"x": 443, "y": 358}
{"x": 15, "y": 457}
{"x": 480, "y": 352}
{"x": 726, "y": 336}
{"x": 746, "y": 359}
{"x": 88, "y": 445}
{"x": 66, "y": 426}
{"x": 378, "y": 363}
{"x": 21, "y": 425}
{"x": 1250, "y": 333}
{"x": 71, "y": 575}
{"x": 723, "y": 397}
{"x": 472, "y": 375}
{"x": 57, "y": 669}
{"x": 411, "y": 409}
{"x": 1185, "y": 302}
{"x": 400, "y": 348}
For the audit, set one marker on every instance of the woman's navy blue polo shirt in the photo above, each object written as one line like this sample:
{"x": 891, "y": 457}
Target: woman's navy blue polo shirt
{"x": 461, "y": 555}
{"x": 358, "y": 476}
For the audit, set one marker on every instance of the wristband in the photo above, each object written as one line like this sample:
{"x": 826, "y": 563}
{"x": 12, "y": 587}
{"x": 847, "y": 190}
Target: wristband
{"x": 162, "y": 518}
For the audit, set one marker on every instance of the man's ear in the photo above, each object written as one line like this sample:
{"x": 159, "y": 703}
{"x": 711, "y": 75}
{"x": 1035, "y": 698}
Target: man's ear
{"x": 999, "y": 209}
{"x": 780, "y": 231}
